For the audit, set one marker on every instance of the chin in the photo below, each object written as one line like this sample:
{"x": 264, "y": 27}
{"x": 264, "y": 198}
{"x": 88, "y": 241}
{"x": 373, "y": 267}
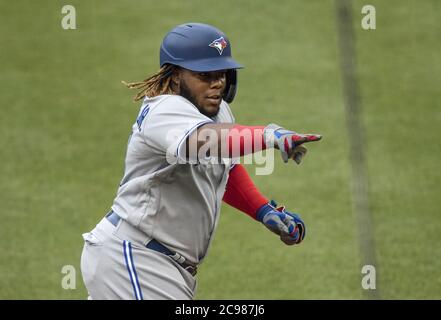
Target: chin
{"x": 211, "y": 111}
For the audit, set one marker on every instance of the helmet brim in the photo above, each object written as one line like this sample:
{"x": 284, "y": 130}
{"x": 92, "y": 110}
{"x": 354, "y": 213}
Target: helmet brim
{"x": 210, "y": 64}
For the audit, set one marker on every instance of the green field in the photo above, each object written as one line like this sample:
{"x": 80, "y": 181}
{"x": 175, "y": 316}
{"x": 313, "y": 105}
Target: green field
{"x": 65, "y": 119}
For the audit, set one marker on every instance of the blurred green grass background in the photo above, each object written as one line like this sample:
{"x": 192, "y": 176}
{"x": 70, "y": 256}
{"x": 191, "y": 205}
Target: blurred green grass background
{"x": 65, "y": 119}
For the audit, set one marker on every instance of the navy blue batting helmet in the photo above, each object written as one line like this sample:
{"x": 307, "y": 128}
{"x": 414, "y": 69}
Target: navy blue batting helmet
{"x": 201, "y": 48}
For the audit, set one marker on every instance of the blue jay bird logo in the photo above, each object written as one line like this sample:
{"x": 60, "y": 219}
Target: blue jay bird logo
{"x": 220, "y": 44}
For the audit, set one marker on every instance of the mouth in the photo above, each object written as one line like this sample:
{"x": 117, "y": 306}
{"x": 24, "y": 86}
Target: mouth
{"x": 215, "y": 98}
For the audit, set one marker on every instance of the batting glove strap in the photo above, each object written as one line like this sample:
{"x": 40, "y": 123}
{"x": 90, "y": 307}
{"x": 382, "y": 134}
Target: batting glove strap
{"x": 283, "y": 139}
{"x": 263, "y": 211}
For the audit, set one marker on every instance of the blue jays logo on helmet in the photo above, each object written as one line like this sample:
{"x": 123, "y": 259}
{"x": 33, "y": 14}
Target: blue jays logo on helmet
{"x": 220, "y": 44}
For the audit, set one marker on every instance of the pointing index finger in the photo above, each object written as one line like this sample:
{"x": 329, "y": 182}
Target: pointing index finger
{"x": 298, "y": 139}
{"x": 313, "y": 137}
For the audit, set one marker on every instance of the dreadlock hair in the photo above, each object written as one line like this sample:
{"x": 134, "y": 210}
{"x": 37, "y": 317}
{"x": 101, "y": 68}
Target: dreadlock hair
{"x": 157, "y": 84}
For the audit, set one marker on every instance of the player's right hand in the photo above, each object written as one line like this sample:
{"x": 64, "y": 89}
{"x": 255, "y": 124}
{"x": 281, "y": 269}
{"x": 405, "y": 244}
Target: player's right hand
{"x": 289, "y": 226}
{"x": 288, "y": 142}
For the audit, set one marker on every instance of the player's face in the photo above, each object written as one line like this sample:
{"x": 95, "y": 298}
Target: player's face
{"x": 203, "y": 89}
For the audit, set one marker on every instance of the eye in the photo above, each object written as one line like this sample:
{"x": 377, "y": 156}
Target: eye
{"x": 203, "y": 74}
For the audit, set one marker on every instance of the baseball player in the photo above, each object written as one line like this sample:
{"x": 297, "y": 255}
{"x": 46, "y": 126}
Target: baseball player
{"x": 165, "y": 213}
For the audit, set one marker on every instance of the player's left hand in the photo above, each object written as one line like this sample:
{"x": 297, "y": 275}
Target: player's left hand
{"x": 289, "y": 226}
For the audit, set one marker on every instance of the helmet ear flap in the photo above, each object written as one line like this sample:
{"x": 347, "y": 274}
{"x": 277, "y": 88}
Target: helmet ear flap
{"x": 231, "y": 85}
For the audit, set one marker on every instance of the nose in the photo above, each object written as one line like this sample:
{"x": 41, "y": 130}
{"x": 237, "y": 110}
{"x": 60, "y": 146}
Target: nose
{"x": 218, "y": 81}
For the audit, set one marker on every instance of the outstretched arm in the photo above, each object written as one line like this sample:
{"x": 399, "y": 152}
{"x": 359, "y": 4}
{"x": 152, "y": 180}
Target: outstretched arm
{"x": 234, "y": 140}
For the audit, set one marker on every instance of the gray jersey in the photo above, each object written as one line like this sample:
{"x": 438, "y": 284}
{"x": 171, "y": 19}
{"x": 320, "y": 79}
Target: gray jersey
{"x": 174, "y": 203}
